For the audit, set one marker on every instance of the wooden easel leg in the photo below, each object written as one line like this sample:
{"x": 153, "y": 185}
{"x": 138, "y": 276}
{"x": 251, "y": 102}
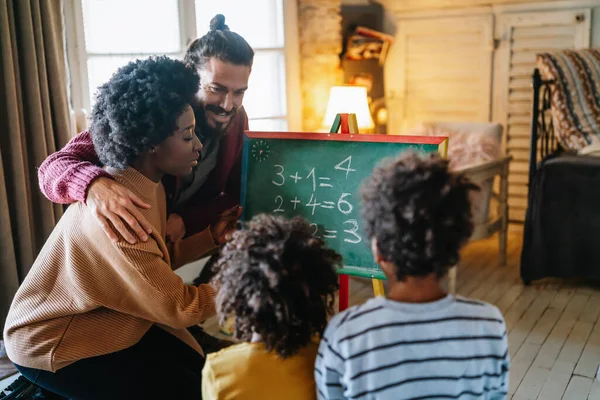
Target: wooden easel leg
{"x": 452, "y": 280}
{"x": 344, "y": 291}
{"x": 378, "y": 288}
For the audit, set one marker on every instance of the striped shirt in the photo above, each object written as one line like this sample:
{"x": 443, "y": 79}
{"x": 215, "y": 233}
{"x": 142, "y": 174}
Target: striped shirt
{"x": 453, "y": 348}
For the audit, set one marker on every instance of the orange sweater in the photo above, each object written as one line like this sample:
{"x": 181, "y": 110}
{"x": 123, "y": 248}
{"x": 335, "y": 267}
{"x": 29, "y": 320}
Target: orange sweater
{"x": 86, "y": 296}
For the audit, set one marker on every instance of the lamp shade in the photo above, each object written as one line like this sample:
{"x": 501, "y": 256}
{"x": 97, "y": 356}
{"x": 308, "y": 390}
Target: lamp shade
{"x": 351, "y": 100}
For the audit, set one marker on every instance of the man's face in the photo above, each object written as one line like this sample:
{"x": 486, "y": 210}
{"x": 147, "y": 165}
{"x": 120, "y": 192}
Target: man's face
{"x": 222, "y": 89}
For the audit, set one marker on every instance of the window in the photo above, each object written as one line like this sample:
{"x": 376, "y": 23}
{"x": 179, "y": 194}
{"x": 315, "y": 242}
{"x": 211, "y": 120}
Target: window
{"x": 103, "y": 35}
{"x": 265, "y": 99}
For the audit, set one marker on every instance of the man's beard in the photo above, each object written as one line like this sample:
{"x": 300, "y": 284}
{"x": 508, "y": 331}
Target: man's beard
{"x": 202, "y": 121}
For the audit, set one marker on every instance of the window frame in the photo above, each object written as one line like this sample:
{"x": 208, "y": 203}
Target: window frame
{"x": 77, "y": 59}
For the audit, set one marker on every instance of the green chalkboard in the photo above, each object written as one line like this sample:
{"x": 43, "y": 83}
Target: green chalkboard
{"x": 318, "y": 176}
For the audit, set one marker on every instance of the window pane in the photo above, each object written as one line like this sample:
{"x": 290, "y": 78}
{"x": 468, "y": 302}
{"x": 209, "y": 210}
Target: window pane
{"x": 268, "y": 125}
{"x": 266, "y": 90}
{"x": 100, "y": 69}
{"x": 260, "y": 22}
{"x": 131, "y": 26}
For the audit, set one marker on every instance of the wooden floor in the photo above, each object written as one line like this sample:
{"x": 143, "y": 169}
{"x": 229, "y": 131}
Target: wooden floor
{"x": 553, "y": 326}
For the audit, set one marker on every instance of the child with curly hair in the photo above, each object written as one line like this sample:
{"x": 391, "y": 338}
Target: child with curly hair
{"x": 277, "y": 283}
{"x": 419, "y": 342}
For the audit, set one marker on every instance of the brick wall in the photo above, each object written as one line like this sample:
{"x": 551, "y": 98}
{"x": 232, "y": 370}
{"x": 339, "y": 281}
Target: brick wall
{"x": 320, "y": 25}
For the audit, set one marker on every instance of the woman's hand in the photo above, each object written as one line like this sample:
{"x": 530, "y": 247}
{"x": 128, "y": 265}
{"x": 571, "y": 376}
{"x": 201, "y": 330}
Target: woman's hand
{"x": 111, "y": 201}
{"x": 227, "y": 224}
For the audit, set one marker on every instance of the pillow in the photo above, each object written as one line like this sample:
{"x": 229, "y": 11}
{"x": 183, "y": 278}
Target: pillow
{"x": 464, "y": 148}
{"x": 467, "y": 149}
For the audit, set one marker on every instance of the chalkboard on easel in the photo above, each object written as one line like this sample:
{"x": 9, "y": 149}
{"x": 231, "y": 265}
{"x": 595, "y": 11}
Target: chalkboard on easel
{"x": 318, "y": 176}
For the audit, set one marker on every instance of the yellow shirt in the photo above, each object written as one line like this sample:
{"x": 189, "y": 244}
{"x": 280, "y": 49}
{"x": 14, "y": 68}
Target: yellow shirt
{"x": 248, "y": 371}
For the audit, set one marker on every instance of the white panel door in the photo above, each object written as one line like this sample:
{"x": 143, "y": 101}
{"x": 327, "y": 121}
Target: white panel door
{"x": 440, "y": 69}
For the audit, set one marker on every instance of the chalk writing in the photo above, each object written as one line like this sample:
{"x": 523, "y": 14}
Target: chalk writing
{"x": 322, "y": 200}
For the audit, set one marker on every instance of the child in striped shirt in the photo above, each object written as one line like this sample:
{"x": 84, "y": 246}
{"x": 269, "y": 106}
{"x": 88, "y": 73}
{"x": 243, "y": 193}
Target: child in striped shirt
{"x": 419, "y": 342}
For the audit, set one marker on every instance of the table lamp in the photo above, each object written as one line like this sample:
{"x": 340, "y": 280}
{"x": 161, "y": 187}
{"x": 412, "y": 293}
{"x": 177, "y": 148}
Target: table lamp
{"x": 351, "y": 100}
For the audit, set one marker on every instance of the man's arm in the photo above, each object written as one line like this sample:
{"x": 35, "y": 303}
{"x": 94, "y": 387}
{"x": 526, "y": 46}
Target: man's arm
{"x": 65, "y": 176}
{"x": 74, "y": 174}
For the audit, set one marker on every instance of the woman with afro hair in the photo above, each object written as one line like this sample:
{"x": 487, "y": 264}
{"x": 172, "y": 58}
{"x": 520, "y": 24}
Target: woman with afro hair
{"x": 97, "y": 319}
{"x": 276, "y": 284}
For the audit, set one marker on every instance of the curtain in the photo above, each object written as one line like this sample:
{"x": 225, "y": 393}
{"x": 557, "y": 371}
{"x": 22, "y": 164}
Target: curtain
{"x": 34, "y": 122}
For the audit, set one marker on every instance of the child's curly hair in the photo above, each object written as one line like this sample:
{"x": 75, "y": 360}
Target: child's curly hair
{"x": 277, "y": 280}
{"x": 419, "y": 213}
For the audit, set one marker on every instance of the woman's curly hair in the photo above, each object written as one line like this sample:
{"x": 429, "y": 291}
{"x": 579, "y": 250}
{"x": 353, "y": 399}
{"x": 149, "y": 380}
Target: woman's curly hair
{"x": 277, "y": 280}
{"x": 419, "y": 213}
{"x": 138, "y": 108}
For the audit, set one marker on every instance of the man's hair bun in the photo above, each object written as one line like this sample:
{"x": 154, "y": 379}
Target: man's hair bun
{"x": 218, "y": 23}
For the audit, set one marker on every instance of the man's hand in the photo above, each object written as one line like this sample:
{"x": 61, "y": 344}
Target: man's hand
{"x": 111, "y": 201}
{"x": 226, "y": 225}
{"x": 175, "y": 228}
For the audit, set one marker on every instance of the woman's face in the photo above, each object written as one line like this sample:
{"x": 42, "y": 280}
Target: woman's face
{"x": 179, "y": 153}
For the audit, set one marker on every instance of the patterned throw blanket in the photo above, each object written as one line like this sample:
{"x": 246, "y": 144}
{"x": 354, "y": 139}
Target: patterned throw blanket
{"x": 575, "y": 97}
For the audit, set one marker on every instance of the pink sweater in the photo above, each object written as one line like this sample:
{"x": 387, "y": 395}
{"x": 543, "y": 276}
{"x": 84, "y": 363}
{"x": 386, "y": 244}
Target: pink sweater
{"x": 65, "y": 176}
